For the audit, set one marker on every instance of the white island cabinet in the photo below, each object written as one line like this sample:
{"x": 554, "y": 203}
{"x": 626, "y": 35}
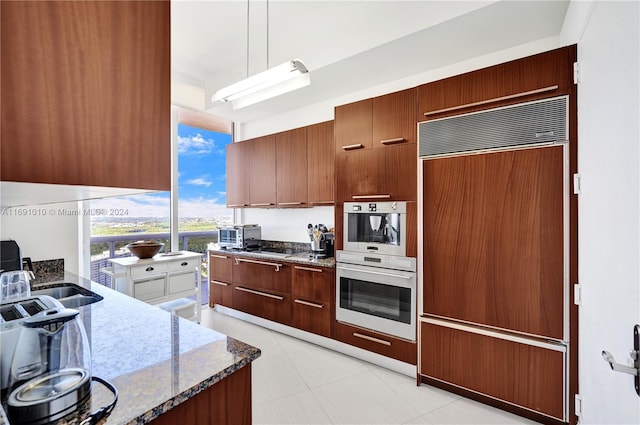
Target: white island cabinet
{"x": 171, "y": 281}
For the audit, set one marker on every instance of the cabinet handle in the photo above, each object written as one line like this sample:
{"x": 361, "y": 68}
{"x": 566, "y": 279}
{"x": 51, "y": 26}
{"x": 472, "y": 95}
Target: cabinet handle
{"x": 265, "y": 204}
{"x": 310, "y": 304}
{"x": 495, "y": 99}
{"x": 309, "y": 269}
{"x": 354, "y": 146}
{"x": 219, "y": 283}
{"x": 290, "y": 203}
{"x": 264, "y": 263}
{"x": 263, "y": 294}
{"x": 237, "y": 205}
{"x": 392, "y": 141}
{"x": 149, "y": 269}
{"x": 370, "y": 338}
{"x": 371, "y": 196}
{"x": 184, "y": 263}
{"x": 224, "y": 257}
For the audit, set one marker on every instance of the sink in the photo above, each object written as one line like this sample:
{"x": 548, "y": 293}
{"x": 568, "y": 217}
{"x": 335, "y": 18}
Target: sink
{"x": 69, "y": 294}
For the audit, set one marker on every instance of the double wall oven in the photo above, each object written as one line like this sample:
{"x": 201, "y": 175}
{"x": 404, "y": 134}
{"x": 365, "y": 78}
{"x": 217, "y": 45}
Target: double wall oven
{"x": 376, "y": 281}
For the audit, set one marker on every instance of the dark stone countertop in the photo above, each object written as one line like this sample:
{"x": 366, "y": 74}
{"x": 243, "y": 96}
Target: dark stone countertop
{"x": 298, "y": 258}
{"x": 156, "y": 360}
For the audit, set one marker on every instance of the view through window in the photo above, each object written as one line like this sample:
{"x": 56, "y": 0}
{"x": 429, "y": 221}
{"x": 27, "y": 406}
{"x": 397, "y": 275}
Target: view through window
{"x": 201, "y": 206}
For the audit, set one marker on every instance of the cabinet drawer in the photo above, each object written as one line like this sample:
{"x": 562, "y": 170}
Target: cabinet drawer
{"x": 220, "y": 267}
{"x": 181, "y": 282}
{"x": 220, "y": 293}
{"x": 150, "y": 288}
{"x": 148, "y": 270}
{"x": 386, "y": 345}
{"x": 313, "y": 283}
{"x": 262, "y": 274}
{"x": 312, "y": 316}
{"x": 269, "y": 305}
{"x": 501, "y": 366}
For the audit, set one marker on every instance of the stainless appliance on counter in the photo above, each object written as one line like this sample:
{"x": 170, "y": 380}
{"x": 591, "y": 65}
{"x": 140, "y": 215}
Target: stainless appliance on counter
{"x": 377, "y": 227}
{"x": 377, "y": 292}
{"x": 240, "y": 236}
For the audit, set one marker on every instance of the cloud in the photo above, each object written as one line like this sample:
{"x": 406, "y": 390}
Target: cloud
{"x": 196, "y": 145}
{"x": 200, "y": 181}
{"x": 157, "y": 205}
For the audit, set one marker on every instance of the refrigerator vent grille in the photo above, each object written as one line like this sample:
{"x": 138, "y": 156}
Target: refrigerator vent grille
{"x": 541, "y": 121}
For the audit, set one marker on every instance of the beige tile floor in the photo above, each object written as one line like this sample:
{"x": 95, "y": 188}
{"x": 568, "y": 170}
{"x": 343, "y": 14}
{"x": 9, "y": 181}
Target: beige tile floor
{"x": 295, "y": 382}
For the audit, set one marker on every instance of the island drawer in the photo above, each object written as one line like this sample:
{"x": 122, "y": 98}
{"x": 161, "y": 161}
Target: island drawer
{"x": 148, "y": 270}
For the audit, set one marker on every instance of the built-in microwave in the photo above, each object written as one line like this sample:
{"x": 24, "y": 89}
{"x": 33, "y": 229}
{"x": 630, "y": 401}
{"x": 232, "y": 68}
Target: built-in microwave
{"x": 246, "y": 236}
{"x": 375, "y": 227}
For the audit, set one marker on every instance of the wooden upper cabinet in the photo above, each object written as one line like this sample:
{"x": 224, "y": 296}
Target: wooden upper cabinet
{"x": 291, "y": 168}
{"x": 394, "y": 118}
{"x": 353, "y": 126}
{"x": 237, "y": 175}
{"x": 320, "y": 163}
{"x": 261, "y": 170}
{"x": 86, "y": 98}
{"x": 534, "y": 77}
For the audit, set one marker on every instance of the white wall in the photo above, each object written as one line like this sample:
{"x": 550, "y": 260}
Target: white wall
{"x": 44, "y": 232}
{"x": 609, "y": 206}
{"x": 288, "y": 224}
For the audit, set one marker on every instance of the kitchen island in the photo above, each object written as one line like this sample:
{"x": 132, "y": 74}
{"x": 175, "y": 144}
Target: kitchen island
{"x": 166, "y": 369}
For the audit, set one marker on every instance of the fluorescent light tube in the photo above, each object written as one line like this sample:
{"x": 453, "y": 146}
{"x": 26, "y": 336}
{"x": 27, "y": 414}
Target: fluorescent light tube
{"x": 273, "y": 82}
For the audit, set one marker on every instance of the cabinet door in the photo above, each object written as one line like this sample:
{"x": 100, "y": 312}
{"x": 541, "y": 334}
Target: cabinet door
{"x": 320, "y": 163}
{"x": 291, "y": 161}
{"x": 313, "y": 295}
{"x": 525, "y": 375}
{"x": 87, "y": 97}
{"x": 394, "y": 118}
{"x": 494, "y": 239}
{"x": 267, "y": 304}
{"x": 238, "y": 174}
{"x": 399, "y": 349}
{"x": 353, "y": 126}
{"x": 261, "y": 169}
{"x": 220, "y": 289}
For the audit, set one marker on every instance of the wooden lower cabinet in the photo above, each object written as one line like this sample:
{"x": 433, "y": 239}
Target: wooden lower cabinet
{"x": 386, "y": 345}
{"x": 266, "y": 304}
{"x": 226, "y": 402}
{"x": 220, "y": 278}
{"x": 313, "y": 295}
{"x": 526, "y": 375}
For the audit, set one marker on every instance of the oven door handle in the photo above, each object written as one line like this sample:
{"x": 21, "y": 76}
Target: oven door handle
{"x": 378, "y": 273}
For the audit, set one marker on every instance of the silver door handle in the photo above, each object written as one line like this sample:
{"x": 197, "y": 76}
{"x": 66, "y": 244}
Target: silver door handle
{"x": 354, "y": 146}
{"x": 309, "y": 269}
{"x": 634, "y": 354}
{"x": 262, "y": 294}
{"x": 372, "y": 339}
{"x": 219, "y": 283}
{"x": 264, "y": 263}
{"x": 372, "y": 272}
{"x": 307, "y": 303}
{"x": 218, "y": 256}
{"x": 392, "y": 141}
{"x": 370, "y": 196}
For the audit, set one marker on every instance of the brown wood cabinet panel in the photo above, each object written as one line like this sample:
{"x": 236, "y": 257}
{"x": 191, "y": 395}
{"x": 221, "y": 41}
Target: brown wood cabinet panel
{"x": 522, "y": 374}
{"x": 386, "y": 345}
{"x": 220, "y": 293}
{"x": 394, "y": 118}
{"x": 86, "y": 98}
{"x": 262, "y": 274}
{"x": 291, "y": 168}
{"x": 320, "y": 163}
{"x": 524, "y": 75}
{"x": 313, "y": 299}
{"x": 226, "y": 402}
{"x": 267, "y": 304}
{"x": 312, "y": 317}
{"x": 377, "y": 174}
{"x": 353, "y": 125}
{"x": 238, "y": 174}
{"x": 262, "y": 172}
{"x": 220, "y": 267}
{"x": 412, "y": 229}
{"x": 493, "y": 239}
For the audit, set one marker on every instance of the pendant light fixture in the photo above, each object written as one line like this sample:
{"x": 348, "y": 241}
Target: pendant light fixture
{"x": 273, "y": 82}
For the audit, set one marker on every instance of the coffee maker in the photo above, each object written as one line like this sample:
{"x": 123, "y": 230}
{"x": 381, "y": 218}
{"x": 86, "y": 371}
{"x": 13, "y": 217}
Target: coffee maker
{"x": 322, "y": 247}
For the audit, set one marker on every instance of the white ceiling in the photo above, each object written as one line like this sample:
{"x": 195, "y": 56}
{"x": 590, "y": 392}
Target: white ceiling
{"x": 347, "y": 45}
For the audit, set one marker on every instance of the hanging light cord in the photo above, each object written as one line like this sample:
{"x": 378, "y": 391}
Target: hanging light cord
{"x": 247, "y": 38}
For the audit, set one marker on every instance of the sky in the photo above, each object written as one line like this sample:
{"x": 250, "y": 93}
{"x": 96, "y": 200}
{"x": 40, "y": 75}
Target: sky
{"x": 201, "y": 180}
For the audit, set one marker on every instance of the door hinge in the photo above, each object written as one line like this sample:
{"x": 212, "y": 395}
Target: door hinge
{"x": 576, "y": 73}
{"x": 577, "y": 184}
{"x": 577, "y": 294}
{"x": 578, "y": 405}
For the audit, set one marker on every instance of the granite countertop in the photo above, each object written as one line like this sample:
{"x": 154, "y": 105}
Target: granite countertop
{"x": 298, "y": 258}
{"x": 156, "y": 360}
